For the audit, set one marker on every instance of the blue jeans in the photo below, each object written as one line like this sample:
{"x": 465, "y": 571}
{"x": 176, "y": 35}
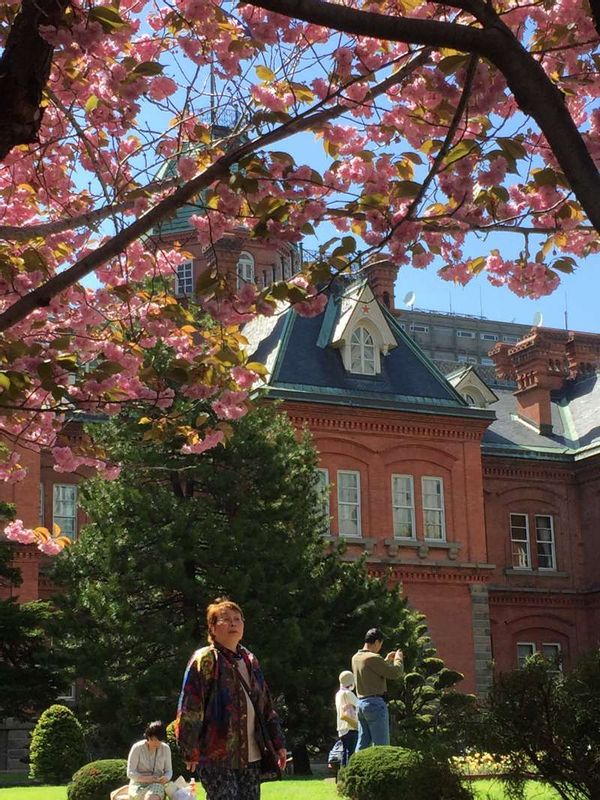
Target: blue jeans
{"x": 373, "y": 722}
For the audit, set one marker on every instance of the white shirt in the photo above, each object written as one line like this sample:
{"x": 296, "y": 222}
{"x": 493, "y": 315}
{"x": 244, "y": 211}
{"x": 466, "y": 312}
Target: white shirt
{"x": 344, "y": 697}
{"x": 143, "y": 762}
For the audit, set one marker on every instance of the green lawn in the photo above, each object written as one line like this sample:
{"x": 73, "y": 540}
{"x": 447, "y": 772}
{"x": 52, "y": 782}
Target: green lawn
{"x": 292, "y": 789}
{"x": 492, "y": 790}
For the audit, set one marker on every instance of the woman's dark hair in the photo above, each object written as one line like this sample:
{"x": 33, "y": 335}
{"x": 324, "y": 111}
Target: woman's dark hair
{"x": 156, "y": 730}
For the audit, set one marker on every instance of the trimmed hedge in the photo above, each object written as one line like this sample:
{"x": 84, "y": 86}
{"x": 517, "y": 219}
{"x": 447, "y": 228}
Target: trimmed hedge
{"x": 96, "y": 780}
{"x": 57, "y": 746}
{"x": 389, "y": 773}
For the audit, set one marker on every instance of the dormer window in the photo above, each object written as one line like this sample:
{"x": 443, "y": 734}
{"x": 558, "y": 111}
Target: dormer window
{"x": 245, "y": 269}
{"x": 362, "y": 352}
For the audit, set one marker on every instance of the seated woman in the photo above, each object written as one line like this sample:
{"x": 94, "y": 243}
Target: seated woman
{"x": 149, "y": 764}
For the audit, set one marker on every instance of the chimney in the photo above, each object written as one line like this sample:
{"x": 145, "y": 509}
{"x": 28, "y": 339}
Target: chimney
{"x": 539, "y": 366}
{"x": 381, "y": 275}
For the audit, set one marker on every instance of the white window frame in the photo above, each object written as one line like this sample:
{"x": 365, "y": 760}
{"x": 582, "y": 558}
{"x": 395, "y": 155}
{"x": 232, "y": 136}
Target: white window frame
{"x": 56, "y": 518}
{"x": 533, "y": 651}
{"x": 343, "y": 503}
{"x": 441, "y": 510}
{"x": 527, "y": 540}
{"x": 463, "y": 334}
{"x": 325, "y": 488}
{"x": 487, "y": 361}
{"x": 558, "y": 649}
{"x": 42, "y": 515}
{"x": 70, "y": 695}
{"x": 245, "y": 269}
{"x": 359, "y": 347}
{"x": 184, "y": 280}
{"x": 489, "y": 337}
{"x": 511, "y": 338}
{"x": 552, "y": 543}
{"x": 397, "y": 507}
{"x": 418, "y": 327}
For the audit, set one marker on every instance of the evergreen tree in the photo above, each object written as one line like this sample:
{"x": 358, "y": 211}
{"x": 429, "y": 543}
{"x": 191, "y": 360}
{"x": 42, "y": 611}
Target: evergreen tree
{"x": 30, "y": 671}
{"x": 173, "y": 532}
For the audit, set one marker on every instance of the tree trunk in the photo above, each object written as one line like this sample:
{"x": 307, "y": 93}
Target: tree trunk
{"x": 301, "y": 761}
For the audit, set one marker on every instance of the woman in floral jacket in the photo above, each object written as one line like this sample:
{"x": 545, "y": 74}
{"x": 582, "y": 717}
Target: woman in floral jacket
{"x": 216, "y": 721}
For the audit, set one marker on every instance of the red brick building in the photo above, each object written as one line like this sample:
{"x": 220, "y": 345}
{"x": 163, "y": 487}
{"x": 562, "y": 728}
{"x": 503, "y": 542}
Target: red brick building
{"x": 481, "y": 497}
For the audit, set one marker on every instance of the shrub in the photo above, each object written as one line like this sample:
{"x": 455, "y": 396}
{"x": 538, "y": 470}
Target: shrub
{"x": 57, "y": 746}
{"x": 95, "y": 781}
{"x": 387, "y": 773}
{"x": 176, "y": 758}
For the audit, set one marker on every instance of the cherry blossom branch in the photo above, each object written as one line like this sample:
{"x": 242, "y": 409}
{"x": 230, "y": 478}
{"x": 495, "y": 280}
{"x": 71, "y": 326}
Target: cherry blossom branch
{"x": 42, "y": 295}
{"x": 533, "y": 90}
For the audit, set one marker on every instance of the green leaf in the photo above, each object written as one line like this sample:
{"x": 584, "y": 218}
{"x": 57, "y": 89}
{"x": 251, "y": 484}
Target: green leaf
{"x": 148, "y": 69}
{"x": 406, "y": 189}
{"x": 264, "y": 73}
{"x": 108, "y": 17}
{"x": 92, "y": 103}
{"x": 467, "y": 147}
{"x": 4, "y": 381}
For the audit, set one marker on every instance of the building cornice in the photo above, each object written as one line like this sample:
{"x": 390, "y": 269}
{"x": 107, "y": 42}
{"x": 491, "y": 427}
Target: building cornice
{"x": 320, "y": 421}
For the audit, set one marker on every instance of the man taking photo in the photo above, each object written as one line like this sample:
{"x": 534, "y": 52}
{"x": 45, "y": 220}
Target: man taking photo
{"x": 371, "y": 673}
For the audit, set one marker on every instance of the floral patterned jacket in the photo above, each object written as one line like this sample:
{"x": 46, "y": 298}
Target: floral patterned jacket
{"x": 211, "y": 725}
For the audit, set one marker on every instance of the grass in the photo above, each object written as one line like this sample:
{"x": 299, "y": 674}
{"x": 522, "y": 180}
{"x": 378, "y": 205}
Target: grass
{"x": 294, "y": 789}
{"x": 492, "y": 789}
{"x": 291, "y": 789}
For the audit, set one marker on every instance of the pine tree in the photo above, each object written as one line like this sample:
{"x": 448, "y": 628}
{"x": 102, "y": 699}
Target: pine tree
{"x": 172, "y": 533}
{"x": 30, "y": 670}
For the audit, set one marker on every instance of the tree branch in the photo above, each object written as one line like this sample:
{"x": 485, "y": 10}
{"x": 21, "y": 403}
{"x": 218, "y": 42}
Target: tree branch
{"x": 533, "y": 90}
{"x": 42, "y": 295}
{"x": 24, "y": 70}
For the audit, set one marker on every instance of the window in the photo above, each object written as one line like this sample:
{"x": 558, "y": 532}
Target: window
{"x": 508, "y": 337}
{"x": 287, "y": 267}
{"x": 69, "y": 694}
{"x": 184, "y": 284}
{"x": 324, "y": 489}
{"x": 403, "y": 506}
{"x": 465, "y": 359}
{"x": 64, "y": 508}
{"x": 519, "y": 538}
{"x": 433, "y": 508}
{"x": 402, "y": 325}
{"x": 362, "y": 352}
{"x": 544, "y": 538}
{"x": 348, "y": 491}
{"x": 42, "y": 505}
{"x": 524, "y": 651}
{"x": 245, "y": 269}
{"x": 418, "y": 328}
{"x": 489, "y": 337}
{"x": 465, "y": 334}
{"x": 552, "y": 652}
{"x": 487, "y": 361}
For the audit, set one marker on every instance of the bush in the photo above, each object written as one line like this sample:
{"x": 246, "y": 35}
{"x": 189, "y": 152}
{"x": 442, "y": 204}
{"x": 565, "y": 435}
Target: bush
{"x": 57, "y": 746}
{"x": 176, "y": 758}
{"x": 387, "y": 773}
{"x": 95, "y": 781}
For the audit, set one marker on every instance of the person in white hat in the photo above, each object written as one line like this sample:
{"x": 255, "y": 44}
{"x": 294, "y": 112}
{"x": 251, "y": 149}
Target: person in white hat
{"x": 347, "y": 721}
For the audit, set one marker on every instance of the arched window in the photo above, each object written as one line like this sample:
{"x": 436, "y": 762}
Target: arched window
{"x": 362, "y": 352}
{"x": 245, "y": 269}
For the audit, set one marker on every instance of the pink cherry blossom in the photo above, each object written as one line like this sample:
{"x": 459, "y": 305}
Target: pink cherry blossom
{"x": 16, "y": 532}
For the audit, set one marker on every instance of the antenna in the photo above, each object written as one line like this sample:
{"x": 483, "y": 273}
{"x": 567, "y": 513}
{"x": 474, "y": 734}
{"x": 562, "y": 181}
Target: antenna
{"x": 566, "y": 313}
{"x": 409, "y": 300}
{"x": 538, "y": 319}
